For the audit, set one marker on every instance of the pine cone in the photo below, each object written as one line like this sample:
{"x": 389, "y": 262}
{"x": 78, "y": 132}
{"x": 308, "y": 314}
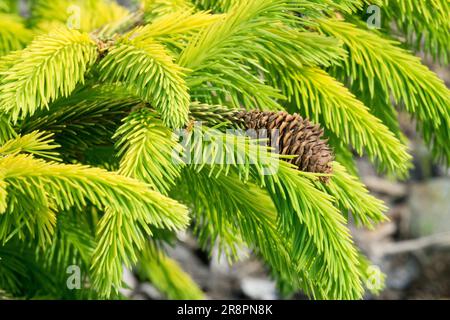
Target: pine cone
{"x": 297, "y": 136}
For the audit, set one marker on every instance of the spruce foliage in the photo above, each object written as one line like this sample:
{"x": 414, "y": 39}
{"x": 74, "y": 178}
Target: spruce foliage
{"x": 93, "y": 169}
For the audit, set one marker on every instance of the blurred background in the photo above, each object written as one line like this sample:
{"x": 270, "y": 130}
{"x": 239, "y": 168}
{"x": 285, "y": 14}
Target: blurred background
{"x": 412, "y": 249}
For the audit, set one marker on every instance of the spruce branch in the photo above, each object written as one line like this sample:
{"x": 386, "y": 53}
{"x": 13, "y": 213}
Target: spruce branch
{"x": 425, "y": 24}
{"x": 60, "y": 180}
{"x": 124, "y": 62}
{"x": 73, "y": 241}
{"x": 28, "y": 214}
{"x": 7, "y": 62}
{"x": 303, "y": 210}
{"x": 86, "y": 119}
{"x": 112, "y": 94}
{"x": 50, "y": 67}
{"x": 161, "y": 8}
{"x": 391, "y": 70}
{"x": 36, "y": 143}
{"x": 346, "y": 6}
{"x": 328, "y": 102}
{"x": 325, "y": 254}
{"x": 129, "y": 201}
{"x": 176, "y": 25}
{"x": 7, "y": 131}
{"x": 146, "y": 149}
{"x": 217, "y": 54}
{"x": 353, "y": 196}
{"x": 241, "y": 213}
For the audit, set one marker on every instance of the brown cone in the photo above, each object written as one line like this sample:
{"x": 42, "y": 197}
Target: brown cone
{"x": 297, "y": 136}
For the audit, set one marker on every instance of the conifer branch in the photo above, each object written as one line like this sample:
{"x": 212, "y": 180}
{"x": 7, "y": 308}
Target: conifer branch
{"x": 426, "y": 24}
{"x": 353, "y": 196}
{"x": 146, "y": 149}
{"x": 36, "y": 143}
{"x": 392, "y": 71}
{"x": 328, "y": 102}
{"x": 112, "y": 93}
{"x": 303, "y": 210}
{"x": 124, "y": 62}
{"x": 240, "y": 214}
{"x": 160, "y": 8}
{"x": 50, "y": 67}
{"x": 6, "y": 130}
{"x": 86, "y": 119}
{"x": 70, "y": 185}
{"x": 180, "y": 24}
